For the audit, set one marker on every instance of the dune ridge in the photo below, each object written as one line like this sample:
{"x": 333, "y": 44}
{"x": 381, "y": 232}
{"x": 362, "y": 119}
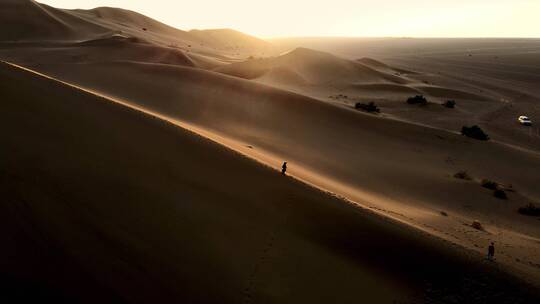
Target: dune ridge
{"x": 289, "y": 223}
{"x": 374, "y": 173}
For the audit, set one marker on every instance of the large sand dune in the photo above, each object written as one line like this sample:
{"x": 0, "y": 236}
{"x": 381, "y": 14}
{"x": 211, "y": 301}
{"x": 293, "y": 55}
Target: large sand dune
{"x": 381, "y": 163}
{"x": 25, "y": 20}
{"x": 117, "y": 193}
{"x": 32, "y": 22}
{"x": 122, "y": 206}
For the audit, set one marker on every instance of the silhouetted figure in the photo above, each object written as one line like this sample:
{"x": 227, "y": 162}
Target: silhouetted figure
{"x": 284, "y": 168}
{"x": 491, "y": 252}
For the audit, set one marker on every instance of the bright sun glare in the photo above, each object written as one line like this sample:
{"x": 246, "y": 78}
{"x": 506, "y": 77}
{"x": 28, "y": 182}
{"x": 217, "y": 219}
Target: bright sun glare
{"x": 278, "y": 18}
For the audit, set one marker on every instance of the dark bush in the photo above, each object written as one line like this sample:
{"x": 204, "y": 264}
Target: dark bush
{"x": 500, "y": 194}
{"x": 474, "y": 132}
{"x": 477, "y": 225}
{"x": 450, "y": 104}
{"x": 462, "y": 175}
{"x": 418, "y": 99}
{"x": 368, "y": 107}
{"x": 530, "y": 209}
{"x": 489, "y": 184}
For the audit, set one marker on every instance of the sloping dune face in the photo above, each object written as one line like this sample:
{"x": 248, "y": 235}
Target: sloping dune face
{"x": 133, "y": 23}
{"x": 384, "y": 164}
{"x": 120, "y": 48}
{"x": 123, "y": 207}
{"x": 219, "y": 43}
{"x": 24, "y": 20}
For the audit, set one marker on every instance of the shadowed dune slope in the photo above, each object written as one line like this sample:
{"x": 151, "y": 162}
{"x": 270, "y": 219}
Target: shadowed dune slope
{"x": 379, "y": 162}
{"x": 24, "y": 20}
{"x": 105, "y": 204}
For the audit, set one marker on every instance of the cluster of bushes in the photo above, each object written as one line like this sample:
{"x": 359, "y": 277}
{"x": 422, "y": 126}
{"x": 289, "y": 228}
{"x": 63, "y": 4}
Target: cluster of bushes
{"x": 418, "y": 99}
{"x": 368, "y": 107}
{"x": 339, "y": 96}
{"x": 474, "y": 132}
{"x": 489, "y": 184}
{"x": 450, "y": 104}
{"x": 498, "y": 192}
{"x": 421, "y": 100}
{"x": 477, "y": 225}
{"x": 530, "y": 209}
{"x": 462, "y": 175}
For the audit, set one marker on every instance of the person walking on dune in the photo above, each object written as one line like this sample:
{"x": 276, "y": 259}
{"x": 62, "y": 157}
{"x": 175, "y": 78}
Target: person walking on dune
{"x": 491, "y": 252}
{"x": 284, "y": 168}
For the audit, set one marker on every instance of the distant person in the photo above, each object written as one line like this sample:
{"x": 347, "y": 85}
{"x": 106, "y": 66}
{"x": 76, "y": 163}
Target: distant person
{"x": 491, "y": 252}
{"x": 284, "y": 168}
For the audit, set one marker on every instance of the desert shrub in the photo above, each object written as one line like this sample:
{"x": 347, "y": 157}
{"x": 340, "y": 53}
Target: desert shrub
{"x": 418, "y": 99}
{"x": 450, "y": 104}
{"x": 477, "y": 225}
{"x": 501, "y": 194}
{"x": 474, "y": 132}
{"x": 368, "y": 107}
{"x": 530, "y": 209}
{"x": 489, "y": 184}
{"x": 462, "y": 175}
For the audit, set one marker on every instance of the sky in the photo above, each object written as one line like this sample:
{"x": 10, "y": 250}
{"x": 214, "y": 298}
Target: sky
{"x": 350, "y": 18}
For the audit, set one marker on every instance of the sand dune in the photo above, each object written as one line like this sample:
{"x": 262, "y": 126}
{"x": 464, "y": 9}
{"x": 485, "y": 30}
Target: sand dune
{"x": 450, "y": 93}
{"x": 109, "y": 49}
{"x": 231, "y": 40}
{"x": 317, "y": 68}
{"x": 382, "y": 66}
{"x": 24, "y": 20}
{"x": 380, "y": 163}
{"x": 157, "y": 212}
{"x": 384, "y": 89}
{"x": 324, "y": 76}
{"x": 181, "y": 225}
{"x": 29, "y": 21}
{"x": 503, "y": 70}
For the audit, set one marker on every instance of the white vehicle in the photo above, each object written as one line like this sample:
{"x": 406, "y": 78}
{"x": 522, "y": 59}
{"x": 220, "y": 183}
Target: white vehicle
{"x": 524, "y": 120}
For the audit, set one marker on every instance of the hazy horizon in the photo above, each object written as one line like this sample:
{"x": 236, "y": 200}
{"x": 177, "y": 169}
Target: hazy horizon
{"x": 344, "y": 18}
